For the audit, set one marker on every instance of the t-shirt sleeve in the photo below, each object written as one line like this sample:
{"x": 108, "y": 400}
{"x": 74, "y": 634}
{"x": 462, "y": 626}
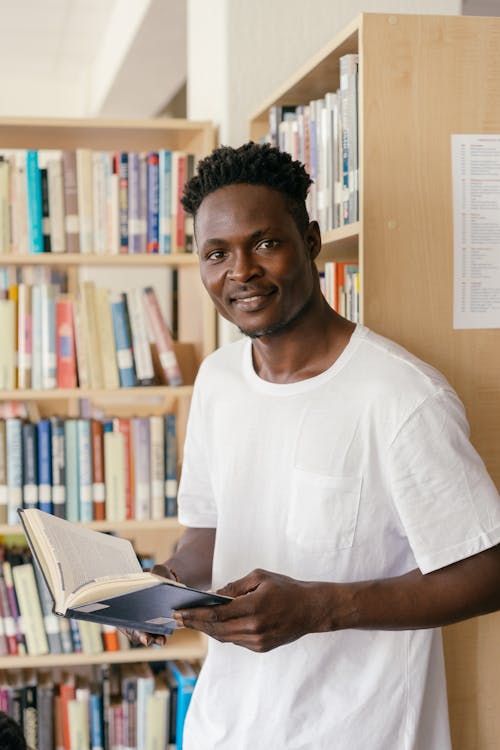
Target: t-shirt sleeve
{"x": 196, "y": 501}
{"x": 446, "y": 500}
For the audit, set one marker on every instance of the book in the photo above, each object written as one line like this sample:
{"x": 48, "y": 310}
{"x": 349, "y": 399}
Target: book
{"x": 5, "y": 229}
{"x": 29, "y": 606}
{"x": 44, "y": 465}
{"x": 97, "y": 577}
{"x": 98, "y": 486}
{"x": 14, "y": 467}
{"x": 8, "y": 348}
{"x": 65, "y": 343}
{"x": 58, "y": 467}
{"x": 34, "y": 202}
{"x": 163, "y": 338}
{"x": 123, "y": 341}
{"x": 56, "y": 203}
{"x": 114, "y": 473}
{"x": 24, "y": 342}
{"x": 85, "y": 483}
{"x": 4, "y": 492}
{"x": 185, "y": 676}
{"x": 170, "y": 465}
{"x": 30, "y": 465}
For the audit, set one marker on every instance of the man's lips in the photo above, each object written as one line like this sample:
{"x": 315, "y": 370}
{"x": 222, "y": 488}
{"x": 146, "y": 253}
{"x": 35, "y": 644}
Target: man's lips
{"x": 251, "y": 300}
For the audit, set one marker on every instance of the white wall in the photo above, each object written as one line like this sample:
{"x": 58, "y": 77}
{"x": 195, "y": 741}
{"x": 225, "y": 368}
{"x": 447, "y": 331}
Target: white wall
{"x": 239, "y": 51}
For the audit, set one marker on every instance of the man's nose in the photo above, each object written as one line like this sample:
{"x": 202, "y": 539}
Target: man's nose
{"x": 244, "y": 266}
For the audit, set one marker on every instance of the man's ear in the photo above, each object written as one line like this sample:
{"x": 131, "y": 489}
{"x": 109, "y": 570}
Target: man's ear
{"x": 313, "y": 239}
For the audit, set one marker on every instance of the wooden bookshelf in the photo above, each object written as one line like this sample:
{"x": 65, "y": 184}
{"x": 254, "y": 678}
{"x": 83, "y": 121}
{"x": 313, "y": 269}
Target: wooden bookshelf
{"x": 421, "y": 79}
{"x": 175, "y": 260}
{"x": 101, "y": 394}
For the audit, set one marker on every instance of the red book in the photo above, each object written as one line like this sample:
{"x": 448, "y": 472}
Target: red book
{"x": 122, "y": 426}
{"x": 110, "y": 638}
{"x": 162, "y": 338}
{"x": 65, "y": 343}
{"x": 98, "y": 486}
{"x": 67, "y": 693}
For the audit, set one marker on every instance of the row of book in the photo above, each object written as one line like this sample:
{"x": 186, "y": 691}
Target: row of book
{"x": 340, "y": 285}
{"x": 51, "y": 339}
{"x": 87, "y": 469}
{"x": 323, "y": 135}
{"x": 85, "y": 201}
{"x": 108, "y": 707}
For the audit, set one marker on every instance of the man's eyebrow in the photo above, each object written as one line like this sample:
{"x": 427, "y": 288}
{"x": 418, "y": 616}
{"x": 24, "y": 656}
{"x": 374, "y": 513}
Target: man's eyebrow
{"x": 253, "y": 236}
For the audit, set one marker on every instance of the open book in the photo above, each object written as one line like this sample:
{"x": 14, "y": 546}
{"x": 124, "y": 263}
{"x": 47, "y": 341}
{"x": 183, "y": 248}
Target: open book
{"x": 95, "y": 576}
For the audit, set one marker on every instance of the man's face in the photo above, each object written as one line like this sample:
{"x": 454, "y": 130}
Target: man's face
{"x": 254, "y": 262}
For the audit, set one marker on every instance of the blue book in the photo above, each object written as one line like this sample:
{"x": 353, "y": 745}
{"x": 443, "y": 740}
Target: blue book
{"x": 96, "y": 721}
{"x": 85, "y": 484}
{"x": 44, "y": 465}
{"x": 165, "y": 200}
{"x": 30, "y": 466}
{"x": 14, "y": 440}
{"x": 185, "y": 678}
{"x": 71, "y": 461}
{"x": 123, "y": 341}
{"x": 152, "y": 204}
{"x": 58, "y": 467}
{"x": 170, "y": 466}
{"x": 75, "y": 636}
{"x": 34, "y": 200}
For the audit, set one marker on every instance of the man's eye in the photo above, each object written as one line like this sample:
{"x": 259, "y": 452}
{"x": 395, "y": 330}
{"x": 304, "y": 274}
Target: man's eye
{"x": 268, "y": 244}
{"x": 215, "y": 255}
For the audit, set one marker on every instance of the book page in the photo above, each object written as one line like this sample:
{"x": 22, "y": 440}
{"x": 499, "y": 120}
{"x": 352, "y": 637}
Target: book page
{"x": 476, "y": 230}
{"x": 84, "y": 555}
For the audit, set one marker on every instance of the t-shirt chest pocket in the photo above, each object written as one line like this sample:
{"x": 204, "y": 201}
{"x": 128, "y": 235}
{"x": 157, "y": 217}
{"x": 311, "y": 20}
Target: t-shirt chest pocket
{"x": 323, "y": 510}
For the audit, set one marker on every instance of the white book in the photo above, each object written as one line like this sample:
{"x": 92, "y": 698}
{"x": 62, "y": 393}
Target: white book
{"x": 140, "y": 340}
{"x": 157, "y": 466}
{"x": 56, "y": 204}
{"x": 114, "y": 476}
{"x": 8, "y": 345}
{"x": 85, "y": 199}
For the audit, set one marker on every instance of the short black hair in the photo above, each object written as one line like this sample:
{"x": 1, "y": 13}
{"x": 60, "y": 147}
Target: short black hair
{"x": 252, "y": 164}
{"x": 11, "y": 735}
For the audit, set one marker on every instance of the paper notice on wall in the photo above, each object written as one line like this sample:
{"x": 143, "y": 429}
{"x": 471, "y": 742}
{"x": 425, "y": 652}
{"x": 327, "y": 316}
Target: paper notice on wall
{"x": 476, "y": 230}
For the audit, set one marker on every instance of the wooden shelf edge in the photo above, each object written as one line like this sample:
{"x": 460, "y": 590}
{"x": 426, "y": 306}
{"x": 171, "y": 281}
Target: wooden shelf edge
{"x": 76, "y": 259}
{"x": 130, "y": 525}
{"x": 70, "y": 394}
{"x": 341, "y": 243}
{"x": 179, "y": 646}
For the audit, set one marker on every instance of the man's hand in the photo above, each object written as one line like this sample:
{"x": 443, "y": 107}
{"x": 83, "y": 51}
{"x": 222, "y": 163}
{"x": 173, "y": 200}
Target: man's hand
{"x": 139, "y": 636}
{"x": 269, "y": 610}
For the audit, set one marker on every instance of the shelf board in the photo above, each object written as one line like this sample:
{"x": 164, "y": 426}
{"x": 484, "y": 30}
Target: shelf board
{"x": 71, "y": 394}
{"x": 182, "y": 645}
{"x": 341, "y": 244}
{"x": 121, "y": 526}
{"x": 76, "y": 259}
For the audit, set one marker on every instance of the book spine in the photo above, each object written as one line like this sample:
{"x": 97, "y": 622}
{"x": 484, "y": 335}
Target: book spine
{"x": 24, "y": 340}
{"x": 143, "y": 200}
{"x": 9, "y": 622}
{"x": 50, "y": 620}
{"x": 90, "y": 326}
{"x": 114, "y": 473}
{"x": 188, "y": 218}
{"x": 142, "y": 449}
{"x": 71, "y": 215}
{"x": 48, "y": 321}
{"x": 140, "y": 343}
{"x": 163, "y": 338}
{"x": 65, "y": 344}
{"x": 58, "y": 468}
{"x": 186, "y": 681}
{"x": 165, "y": 200}
{"x": 80, "y": 344}
{"x": 72, "y": 470}
{"x": 44, "y": 182}
{"x": 180, "y": 239}
{"x": 30, "y": 465}
{"x": 36, "y": 357}
{"x": 8, "y": 348}
{"x": 34, "y": 200}
{"x": 135, "y": 228}
{"x": 30, "y": 715}
{"x": 56, "y": 205}
{"x": 96, "y": 722}
{"x": 45, "y": 702}
{"x": 113, "y": 210}
{"x": 44, "y": 456}
{"x": 110, "y": 638}
{"x": 123, "y": 427}
{"x": 4, "y": 490}
{"x": 30, "y": 610}
{"x": 157, "y": 467}
{"x": 5, "y": 228}
{"x": 152, "y": 203}
{"x": 19, "y": 205}
{"x": 85, "y": 199}
{"x": 123, "y": 344}
{"x": 14, "y": 468}
{"x": 170, "y": 465}
{"x": 85, "y": 484}
{"x": 106, "y": 339}
{"x": 122, "y": 159}
{"x": 67, "y": 694}
{"x": 14, "y": 606}
{"x": 98, "y": 485}
{"x": 99, "y": 202}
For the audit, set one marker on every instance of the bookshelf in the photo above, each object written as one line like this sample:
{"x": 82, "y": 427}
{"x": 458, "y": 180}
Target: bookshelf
{"x": 421, "y": 79}
{"x": 196, "y": 336}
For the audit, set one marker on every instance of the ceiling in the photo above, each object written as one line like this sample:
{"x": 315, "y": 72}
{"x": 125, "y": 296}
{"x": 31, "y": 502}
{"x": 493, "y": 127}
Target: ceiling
{"x": 91, "y": 55}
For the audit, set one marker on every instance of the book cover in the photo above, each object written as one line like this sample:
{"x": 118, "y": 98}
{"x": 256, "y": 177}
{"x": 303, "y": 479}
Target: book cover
{"x": 14, "y": 467}
{"x": 44, "y": 180}
{"x": 98, "y": 481}
{"x": 14, "y": 606}
{"x": 71, "y": 209}
{"x": 157, "y": 466}
{"x": 65, "y": 343}
{"x": 31, "y": 718}
{"x": 45, "y": 703}
{"x": 56, "y": 203}
{"x": 4, "y": 490}
{"x": 141, "y": 441}
{"x": 135, "y": 227}
{"x": 8, "y": 348}
{"x": 152, "y": 244}
{"x": 9, "y": 623}
{"x": 5, "y": 229}
{"x": 85, "y": 483}
{"x": 170, "y": 465}
{"x": 44, "y": 465}
{"x": 185, "y": 677}
{"x": 30, "y": 465}
{"x": 106, "y": 339}
{"x": 34, "y": 202}
{"x": 50, "y": 620}
{"x": 36, "y": 345}
{"x": 58, "y": 467}
{"x": 115, "y": 590}
{"x": 114, "y": 473}
{"x": 123, "y": 342}
{"x": 121, "y": 167}
{"x": 4, "y": 644}
{"x": 165, "y": 200}
{"x": 80, "y": 344}
{"x": 90, "y": 327}
{"x": 188, "y": 219}
{"x": 96, "y": 720}
{"x": 140, "y": 342}
{"x": 48, "y": 333}
{"x": 99, "y": 202}
{"x": 19, "y": 204}
{"x": 85, "y": 199}
{"x": 24, "y": 340}
{"x": 67, "y": 695}
{"x": 71, "y": 457}
{"x": 29, "y": 608}
{"x": 162, "y": 338}
{"x": 123, "y": 426}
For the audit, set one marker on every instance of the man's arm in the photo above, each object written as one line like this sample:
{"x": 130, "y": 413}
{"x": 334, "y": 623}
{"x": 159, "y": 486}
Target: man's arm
{"x": 191, "y": 562}
{"x": 271, "y": 609}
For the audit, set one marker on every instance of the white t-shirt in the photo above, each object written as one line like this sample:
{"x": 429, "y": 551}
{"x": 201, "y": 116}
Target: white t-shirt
{"x": 364, "y": 471}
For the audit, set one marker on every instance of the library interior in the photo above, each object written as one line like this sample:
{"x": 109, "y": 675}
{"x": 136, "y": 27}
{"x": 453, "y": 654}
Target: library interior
{"x": 210, "y": 212}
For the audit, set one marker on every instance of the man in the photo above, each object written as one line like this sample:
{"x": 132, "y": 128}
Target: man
{"x": 327, "y": 473}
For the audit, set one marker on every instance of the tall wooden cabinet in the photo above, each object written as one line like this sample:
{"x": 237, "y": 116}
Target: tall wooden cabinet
{"x": 196, "y": 334}
{"x": 422, "y": 79}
